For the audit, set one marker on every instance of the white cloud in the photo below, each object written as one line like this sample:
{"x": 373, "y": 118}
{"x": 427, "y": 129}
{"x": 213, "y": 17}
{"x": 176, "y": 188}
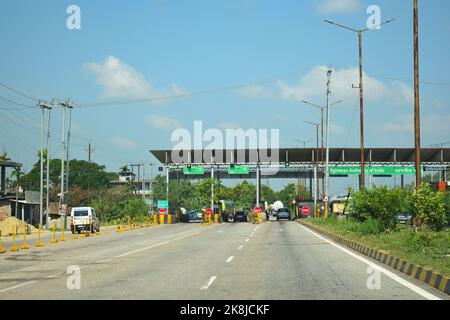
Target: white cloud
{"x": 123, "y": 143}
{"x": 255, "y": 91}
{"x": 161, "y": 122}
{"x": 119, "y": 80}
{"x": 337, "y": 6}
{"x": 313, "y": 85}
{"x": 433, "y": 126}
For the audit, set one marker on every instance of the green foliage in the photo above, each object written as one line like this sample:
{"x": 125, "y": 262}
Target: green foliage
{"x": 430, "y": 207}
{"x": 81, "y": 173}
{"x": 287, "y": 194}
{"x": 380, "y": 203}
{"x": 118, "y": 203}
{"x": 425, "y": 247}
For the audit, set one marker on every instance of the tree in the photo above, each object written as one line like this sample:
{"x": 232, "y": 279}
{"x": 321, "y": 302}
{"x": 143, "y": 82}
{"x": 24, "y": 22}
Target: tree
{"x": 287, "y": 194}
{"x": 429, "y": 207}
{"x": 80, "y": 171}
{"x": 4, "y": 156}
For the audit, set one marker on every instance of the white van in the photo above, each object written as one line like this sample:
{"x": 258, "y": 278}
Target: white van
{"x": 83, "y": 218}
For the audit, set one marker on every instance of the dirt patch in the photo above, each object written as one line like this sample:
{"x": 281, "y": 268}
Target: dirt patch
{"x": 12, "y": 224}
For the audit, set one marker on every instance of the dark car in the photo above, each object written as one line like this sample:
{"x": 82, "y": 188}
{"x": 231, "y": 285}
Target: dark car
{"x": 283, "y": 213}
{"x": 240, "y": 216}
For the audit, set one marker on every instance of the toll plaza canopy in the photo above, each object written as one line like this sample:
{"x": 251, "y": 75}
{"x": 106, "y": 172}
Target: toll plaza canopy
{"x": 295, "y": 162}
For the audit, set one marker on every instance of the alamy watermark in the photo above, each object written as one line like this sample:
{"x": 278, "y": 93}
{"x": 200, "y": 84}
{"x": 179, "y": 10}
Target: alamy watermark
{"x": 73, "y": 21}
{"x": 234, "y": 146}
{"x": 73, "y": 282}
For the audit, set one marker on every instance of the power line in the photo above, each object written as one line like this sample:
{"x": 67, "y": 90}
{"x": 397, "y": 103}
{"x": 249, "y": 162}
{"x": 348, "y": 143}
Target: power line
{"x": 19, "y": 92}
{"x": 19, "y": 104}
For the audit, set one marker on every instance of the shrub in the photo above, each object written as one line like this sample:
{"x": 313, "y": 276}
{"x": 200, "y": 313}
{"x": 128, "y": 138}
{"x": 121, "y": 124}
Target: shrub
{"x": 370, "y": 226}
{"x": 429, "y": 206}
{"x": 380, "y": 203}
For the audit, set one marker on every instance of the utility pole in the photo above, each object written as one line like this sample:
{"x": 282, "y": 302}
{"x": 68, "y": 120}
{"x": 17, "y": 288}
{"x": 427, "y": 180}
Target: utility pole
{"x": 63, "y": 146}
{"x": 47, "y": 207}
{"x": 361, "y": 91}
{"x": 90, "y": 151}
{"x": 69, "y": 106}
{"x": 43, "y": 106}
{"x": 417, "y": 95}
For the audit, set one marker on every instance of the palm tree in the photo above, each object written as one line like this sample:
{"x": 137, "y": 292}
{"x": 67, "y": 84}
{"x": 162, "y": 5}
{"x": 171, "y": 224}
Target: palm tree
{"x": 124, "y": 169}
{"x": 4, "y": 156}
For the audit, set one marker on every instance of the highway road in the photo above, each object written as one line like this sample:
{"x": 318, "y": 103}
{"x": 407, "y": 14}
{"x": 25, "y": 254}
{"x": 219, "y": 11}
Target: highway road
{"x": 274, "y": 260}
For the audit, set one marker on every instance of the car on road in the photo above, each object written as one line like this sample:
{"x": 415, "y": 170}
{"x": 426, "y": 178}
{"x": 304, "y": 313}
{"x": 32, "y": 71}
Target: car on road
{"x": 283, "y": 214}
{"x": 240, "y": 216}
{"x": 84, "y": 219}
{"x": 404, "y": 218}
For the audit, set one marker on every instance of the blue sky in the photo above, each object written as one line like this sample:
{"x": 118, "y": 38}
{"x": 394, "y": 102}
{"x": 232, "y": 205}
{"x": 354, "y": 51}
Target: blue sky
{"x": 276, "y": 51}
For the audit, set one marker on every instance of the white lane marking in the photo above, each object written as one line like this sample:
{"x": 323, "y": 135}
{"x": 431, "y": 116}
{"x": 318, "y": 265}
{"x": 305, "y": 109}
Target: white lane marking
{"x": 17, "y": 286}
{"x": 210, "y": 281}
{"x": 281, "y": 229}
{"x": 247, "y": 240}
{"x": 391, "y": 275}
{"x": 54, "y": 275}
{"x": 252, "y": 235}
{"x": 157, "y": 245}
{"x": 240, "y": 247}
{"x": 104, "y": 261}
{"x": 229, "y": 259}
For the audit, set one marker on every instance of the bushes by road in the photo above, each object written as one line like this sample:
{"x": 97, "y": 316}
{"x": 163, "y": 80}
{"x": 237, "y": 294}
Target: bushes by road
{"x": 382, "y": 204}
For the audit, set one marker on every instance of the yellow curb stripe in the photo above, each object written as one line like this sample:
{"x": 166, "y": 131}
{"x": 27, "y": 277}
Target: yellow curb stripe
{"x": 432, "y": 281}
{"x": 443, "y": 283}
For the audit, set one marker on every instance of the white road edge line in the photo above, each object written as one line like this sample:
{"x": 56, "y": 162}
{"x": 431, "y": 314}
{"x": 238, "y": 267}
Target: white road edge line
{"x": 391, "y": 275}
{"x": 240, "y": 247}
{"x": 17, "y": 286}
{"x": 247, "y": 240}
{"x": 157, "y": 245}
{"x": 210, "y": 281}
{"x": 229, "y": 259}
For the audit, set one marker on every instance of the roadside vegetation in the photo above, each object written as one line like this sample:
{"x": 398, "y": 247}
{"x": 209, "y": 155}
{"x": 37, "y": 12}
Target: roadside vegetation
{"x": 373, "y": 222}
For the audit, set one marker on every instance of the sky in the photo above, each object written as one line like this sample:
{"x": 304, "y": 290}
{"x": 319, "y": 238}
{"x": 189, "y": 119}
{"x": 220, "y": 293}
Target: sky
{"x": 233, "y": 64}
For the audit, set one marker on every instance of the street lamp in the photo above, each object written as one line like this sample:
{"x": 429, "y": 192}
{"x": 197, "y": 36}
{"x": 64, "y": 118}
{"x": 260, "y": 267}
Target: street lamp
{"x": 316, "y": 167}
{"x": 326, "y": 181}
{"x": 361, "y": 91}
{"x": 304, "y": 142}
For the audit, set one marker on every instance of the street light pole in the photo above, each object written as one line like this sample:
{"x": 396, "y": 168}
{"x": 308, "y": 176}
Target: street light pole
{"x": 361, "y": 90}
{"x": 316, "y": 168}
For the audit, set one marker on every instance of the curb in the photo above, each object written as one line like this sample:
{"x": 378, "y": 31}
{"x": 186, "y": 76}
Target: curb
{"x": 425, "y": 275}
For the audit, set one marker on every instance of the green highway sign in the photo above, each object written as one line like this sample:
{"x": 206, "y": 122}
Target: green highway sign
{"x": 194, "y": 170}
{"x": 372, "y": 171}
{"x": 163, "y": 204}
{"x": 238, "y": 170}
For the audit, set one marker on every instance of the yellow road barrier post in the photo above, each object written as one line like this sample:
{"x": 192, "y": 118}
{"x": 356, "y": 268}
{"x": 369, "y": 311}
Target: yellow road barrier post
{"x": 25, "y": 245}
{"x": 216, "y": 218}
{"x": 2, "y": 250}
{"x": 62, "y": 238}
{"x": 155, "y": 220}
{"x": 14, "y": 247}
{"x": 259, "y": 217}
{"x": 169, "y": 219}
{"x": 54, "y": 240}
{"x": 91, "y": 234}
{"x": 146, "y": 222}
{"x": 39, "y": 243}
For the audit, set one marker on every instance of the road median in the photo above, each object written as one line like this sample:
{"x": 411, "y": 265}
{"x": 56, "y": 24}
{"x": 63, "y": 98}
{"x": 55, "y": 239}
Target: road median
{"x": 424, "y": 274}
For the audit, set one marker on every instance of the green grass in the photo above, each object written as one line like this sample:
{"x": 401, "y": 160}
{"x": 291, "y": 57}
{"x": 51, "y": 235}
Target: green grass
{"x": 425, "y": 248}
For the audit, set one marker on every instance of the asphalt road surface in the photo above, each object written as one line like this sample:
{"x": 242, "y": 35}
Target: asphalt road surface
{"x": 274, "y": 260}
